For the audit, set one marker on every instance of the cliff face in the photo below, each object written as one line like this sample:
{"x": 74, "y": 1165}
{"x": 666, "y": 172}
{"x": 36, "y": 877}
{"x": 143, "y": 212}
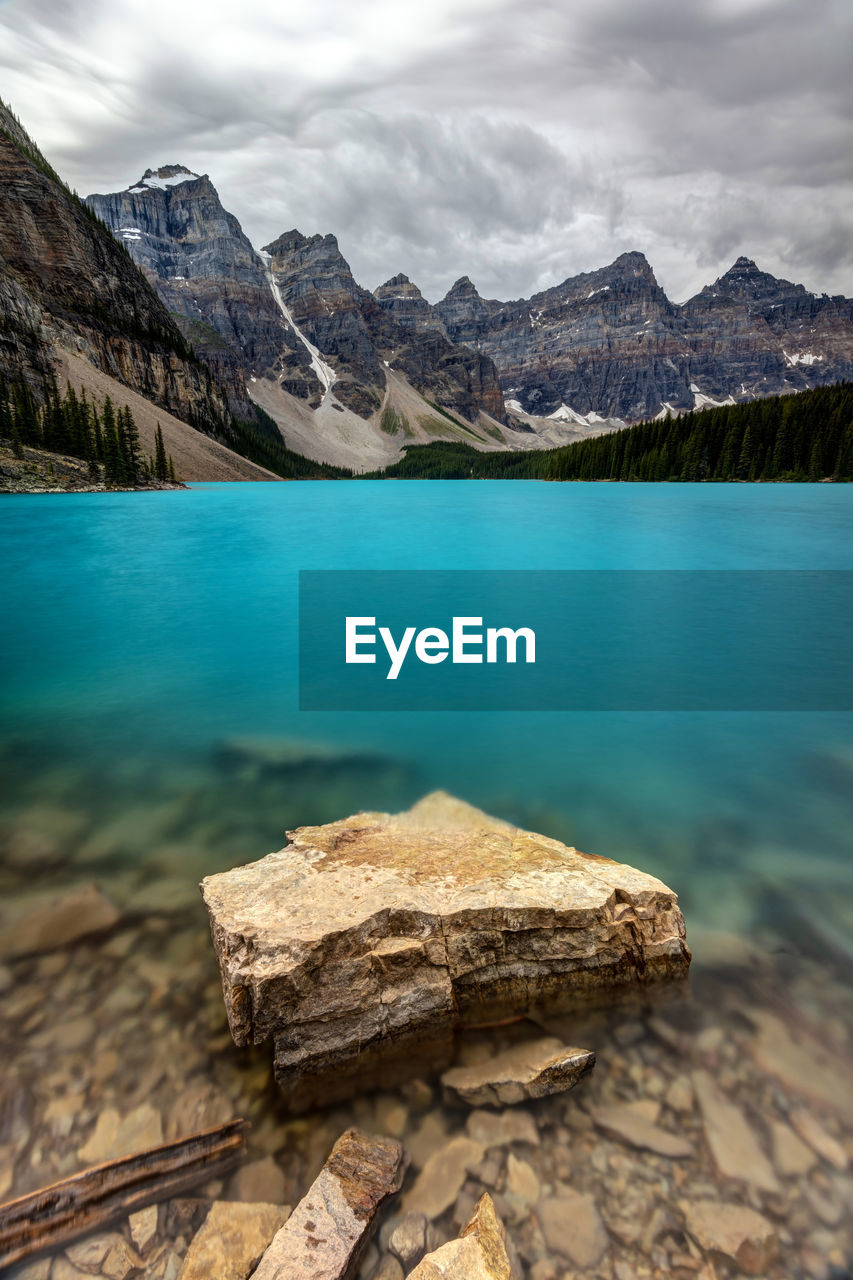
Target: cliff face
{"x": 64, "y": 281}
{"x": 413, "y": 334}
{"x": 751, "y": 334}
{"x": 601, "y": 342}
{"x": 207, "y": 274}
{"x": 611, "y": 343}
{"x": 334, "y": 313}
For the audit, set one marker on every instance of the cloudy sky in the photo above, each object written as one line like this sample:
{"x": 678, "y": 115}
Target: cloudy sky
{"x": 515, "y": 141}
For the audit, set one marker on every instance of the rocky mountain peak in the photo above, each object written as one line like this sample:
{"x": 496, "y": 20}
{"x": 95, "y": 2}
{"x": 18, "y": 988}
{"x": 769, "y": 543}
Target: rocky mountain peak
{"x": 633, "y": 258}
{"x": 463, "y": 288}
{"x": 319, "y": 249}
{"x": 399, "y": 287}
{"x": 287, "y": 242}
{"x": 399, "y": 281}
{"x": 632, "y": 266}
{"x": 746, "y": 281}
{"x": 742, "y": 272}
{"x": 168, "y": 175}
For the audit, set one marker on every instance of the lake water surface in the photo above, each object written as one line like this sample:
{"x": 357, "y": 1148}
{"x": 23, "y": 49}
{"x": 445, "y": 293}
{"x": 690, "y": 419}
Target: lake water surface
{"x": 152, "y": 626}
{"x": 150, "y": 733}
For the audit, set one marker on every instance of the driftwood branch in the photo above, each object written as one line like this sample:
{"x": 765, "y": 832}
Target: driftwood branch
{"x": 87, "y": 1201}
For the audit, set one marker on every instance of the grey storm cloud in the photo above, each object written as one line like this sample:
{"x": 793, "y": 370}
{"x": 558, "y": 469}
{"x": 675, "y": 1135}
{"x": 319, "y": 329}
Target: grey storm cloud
{"x": 517, "y": 143}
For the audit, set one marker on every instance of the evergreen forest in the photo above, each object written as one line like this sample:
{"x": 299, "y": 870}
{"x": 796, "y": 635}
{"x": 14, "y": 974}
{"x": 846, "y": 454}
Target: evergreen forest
{"x": 803, "y": 437}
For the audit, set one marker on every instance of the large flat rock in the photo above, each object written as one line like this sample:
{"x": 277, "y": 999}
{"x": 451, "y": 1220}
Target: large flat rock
{"x": 362, "y": 945}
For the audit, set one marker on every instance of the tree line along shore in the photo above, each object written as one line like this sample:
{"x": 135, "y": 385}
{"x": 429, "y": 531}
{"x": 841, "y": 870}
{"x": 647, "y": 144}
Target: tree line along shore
{"x": 806, "y": 437}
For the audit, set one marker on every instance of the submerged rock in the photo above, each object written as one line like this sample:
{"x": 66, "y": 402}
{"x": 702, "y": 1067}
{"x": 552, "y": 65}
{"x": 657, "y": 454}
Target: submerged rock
{"x": 572, "y": 1227}
{"x": 231, "y": 1240}
{"x": 331, "y": 1226}
{"x": 51, "y": 923}
{"x": 626, "y": 1122}
{"x": 732, "y": 1231}
{"x": 821, "y": 1142}
{"x": 440, "y": 1180}
{"x": 499, "y": 1129}
{"x": 733, "y": 1144}
{"x": 532, "y": 1070}
{"x": 410, "y": 1239}
{"x": 480, "y": 1253}
{"x": 362, "y": 945}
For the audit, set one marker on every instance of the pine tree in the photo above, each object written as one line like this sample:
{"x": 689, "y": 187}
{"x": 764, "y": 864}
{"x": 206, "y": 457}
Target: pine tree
{"x": 113, "y": 463}
{"x": 131, "y": 442}
{"x": 161, "y": 466}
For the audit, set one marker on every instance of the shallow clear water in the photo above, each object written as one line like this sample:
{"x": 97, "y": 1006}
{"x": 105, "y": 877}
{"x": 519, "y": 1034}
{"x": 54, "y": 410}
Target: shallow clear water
{"x": 154, "y": 625}
{"x": 149, "y": 734}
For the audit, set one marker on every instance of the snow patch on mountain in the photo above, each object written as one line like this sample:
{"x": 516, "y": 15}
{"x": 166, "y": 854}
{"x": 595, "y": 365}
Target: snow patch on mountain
{"x": 566, "y": 414}
{"x": 800, "y": 357}
{"x": 701, "y": 401}
{"x": 325, "y": 373}
{"x": 163, "y": 178}
{"x": 667, "y": 408}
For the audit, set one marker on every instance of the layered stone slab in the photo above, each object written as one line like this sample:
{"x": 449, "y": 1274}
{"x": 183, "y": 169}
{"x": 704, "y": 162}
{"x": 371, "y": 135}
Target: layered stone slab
{"x": 361, "y": 946}
{"x": 328, "y": 1231}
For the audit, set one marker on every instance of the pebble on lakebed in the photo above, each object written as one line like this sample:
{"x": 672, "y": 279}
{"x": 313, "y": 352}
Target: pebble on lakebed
{"x": 364, "y": 944}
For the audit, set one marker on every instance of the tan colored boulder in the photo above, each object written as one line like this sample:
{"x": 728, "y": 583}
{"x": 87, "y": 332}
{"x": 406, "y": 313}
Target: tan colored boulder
{"x": 362, "y": 945}
{"x": 801, "y": 1064}
{"x": 114, "y": 1136}
{"x": 480, "y": 1253}
{"x": 231, "y": 1239}
{"x": 143, "y": 1227}
{"x": 331, "y": 1226}
{"x": 821, "y": 1142}
{"x": 790, "y": 1154}
{"x": 259, "y": 1181}
{"x": 500, "y": 1128}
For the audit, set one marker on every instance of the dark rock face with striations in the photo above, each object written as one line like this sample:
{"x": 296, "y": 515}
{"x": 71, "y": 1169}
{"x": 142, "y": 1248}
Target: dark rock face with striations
{"x": 65, "y": 282}
{"x": 202, "y": 265}
{"x": 450, "y": 372}
{"x": 361, "y": 332}
{"x": 610, "y": 343}
{"x": 335, "y": 314}
{"x": 603, "y": 342}
{"x": 751, "y": 334}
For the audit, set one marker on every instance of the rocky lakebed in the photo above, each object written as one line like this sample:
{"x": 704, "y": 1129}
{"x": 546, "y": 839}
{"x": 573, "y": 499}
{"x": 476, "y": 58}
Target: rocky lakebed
{"x": 663, "y": 1126}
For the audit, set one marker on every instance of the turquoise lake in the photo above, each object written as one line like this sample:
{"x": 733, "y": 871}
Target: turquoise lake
{"x": 143, "y": 631}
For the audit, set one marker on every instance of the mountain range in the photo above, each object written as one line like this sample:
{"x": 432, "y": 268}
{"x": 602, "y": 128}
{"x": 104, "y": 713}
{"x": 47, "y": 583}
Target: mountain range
{"x": 159, "y": 289}
{"x": 289, "y": 326}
